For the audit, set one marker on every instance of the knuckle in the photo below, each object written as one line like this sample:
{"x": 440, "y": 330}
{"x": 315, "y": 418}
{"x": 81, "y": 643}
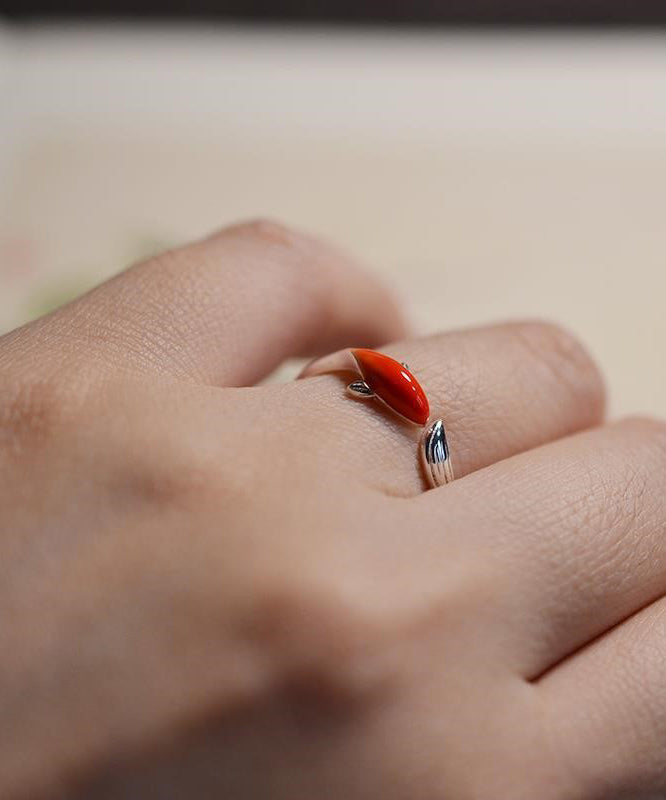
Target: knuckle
{"x": 291, "y": 264}
{"x": 269, "y": 231}
{"x": 33, "y": 411}
{"x": 169, "y": 460}
{"x": 564, "y": 357}
{"x": 324, "y": 647}
{"x": 177, "y": 476}
{"x": 171, "y": 484}
{"x": 295, "y": 253}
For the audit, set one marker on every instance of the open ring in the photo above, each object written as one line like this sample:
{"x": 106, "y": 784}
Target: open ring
{"x": 392, "y": 383}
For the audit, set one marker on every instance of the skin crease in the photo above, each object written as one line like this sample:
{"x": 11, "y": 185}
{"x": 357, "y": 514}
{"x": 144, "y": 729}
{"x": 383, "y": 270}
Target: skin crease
{"x": 212, "y": 589}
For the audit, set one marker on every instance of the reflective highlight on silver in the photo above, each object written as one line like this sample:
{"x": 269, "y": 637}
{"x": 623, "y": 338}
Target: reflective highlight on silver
{"x": 435, "y": 456}
{"x": 360, "y": 389}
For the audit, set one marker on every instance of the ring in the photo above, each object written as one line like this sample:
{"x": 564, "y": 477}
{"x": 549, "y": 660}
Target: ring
{"x": 392, "y": 383}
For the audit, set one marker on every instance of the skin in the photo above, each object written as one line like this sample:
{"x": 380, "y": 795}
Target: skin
{"x": 212, "y": 589}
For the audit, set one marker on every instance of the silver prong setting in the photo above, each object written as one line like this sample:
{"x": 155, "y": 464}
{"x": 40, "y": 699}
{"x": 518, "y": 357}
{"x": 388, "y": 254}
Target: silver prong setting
{"x": 360, "y": 389}
{"x": 435, "y": 456}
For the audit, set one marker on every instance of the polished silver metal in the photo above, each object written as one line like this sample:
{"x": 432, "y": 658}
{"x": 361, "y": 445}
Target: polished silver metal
{"x": 435, "y": 456}
{"x": 360, "y": 389}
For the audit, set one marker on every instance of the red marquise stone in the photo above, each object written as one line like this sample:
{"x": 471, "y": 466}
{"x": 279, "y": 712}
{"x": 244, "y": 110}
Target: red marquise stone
{"x": 394, "y": 384}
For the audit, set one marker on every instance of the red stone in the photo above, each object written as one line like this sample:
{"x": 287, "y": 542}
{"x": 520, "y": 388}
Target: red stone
{"x": 394, "y": 384}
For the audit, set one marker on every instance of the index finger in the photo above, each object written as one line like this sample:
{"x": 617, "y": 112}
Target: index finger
{"x": 225, "y": 310}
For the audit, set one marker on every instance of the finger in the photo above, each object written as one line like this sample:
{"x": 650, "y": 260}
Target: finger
{"x": 606, "y": 709}
{"x": 576, "y": 535}
{"x": 500, "y": 389}
{"x": 225, "y": 310}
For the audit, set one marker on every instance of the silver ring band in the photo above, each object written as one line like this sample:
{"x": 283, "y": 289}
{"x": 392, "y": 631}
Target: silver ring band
{"x": 435, "y": 456}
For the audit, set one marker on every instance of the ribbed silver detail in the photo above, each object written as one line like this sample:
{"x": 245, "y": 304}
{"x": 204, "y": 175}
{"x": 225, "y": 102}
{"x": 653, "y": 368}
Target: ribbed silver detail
{"x": 435, "y": 455}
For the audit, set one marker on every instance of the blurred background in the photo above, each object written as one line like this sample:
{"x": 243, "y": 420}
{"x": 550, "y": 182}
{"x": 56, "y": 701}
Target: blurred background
{"x": 490, "y": 159}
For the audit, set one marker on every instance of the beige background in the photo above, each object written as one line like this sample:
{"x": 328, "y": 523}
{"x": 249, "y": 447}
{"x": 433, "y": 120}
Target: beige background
{"x": 484, "y": 176}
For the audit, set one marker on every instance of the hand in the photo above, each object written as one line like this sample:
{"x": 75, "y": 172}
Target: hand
{"x": 216, "y": 592}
